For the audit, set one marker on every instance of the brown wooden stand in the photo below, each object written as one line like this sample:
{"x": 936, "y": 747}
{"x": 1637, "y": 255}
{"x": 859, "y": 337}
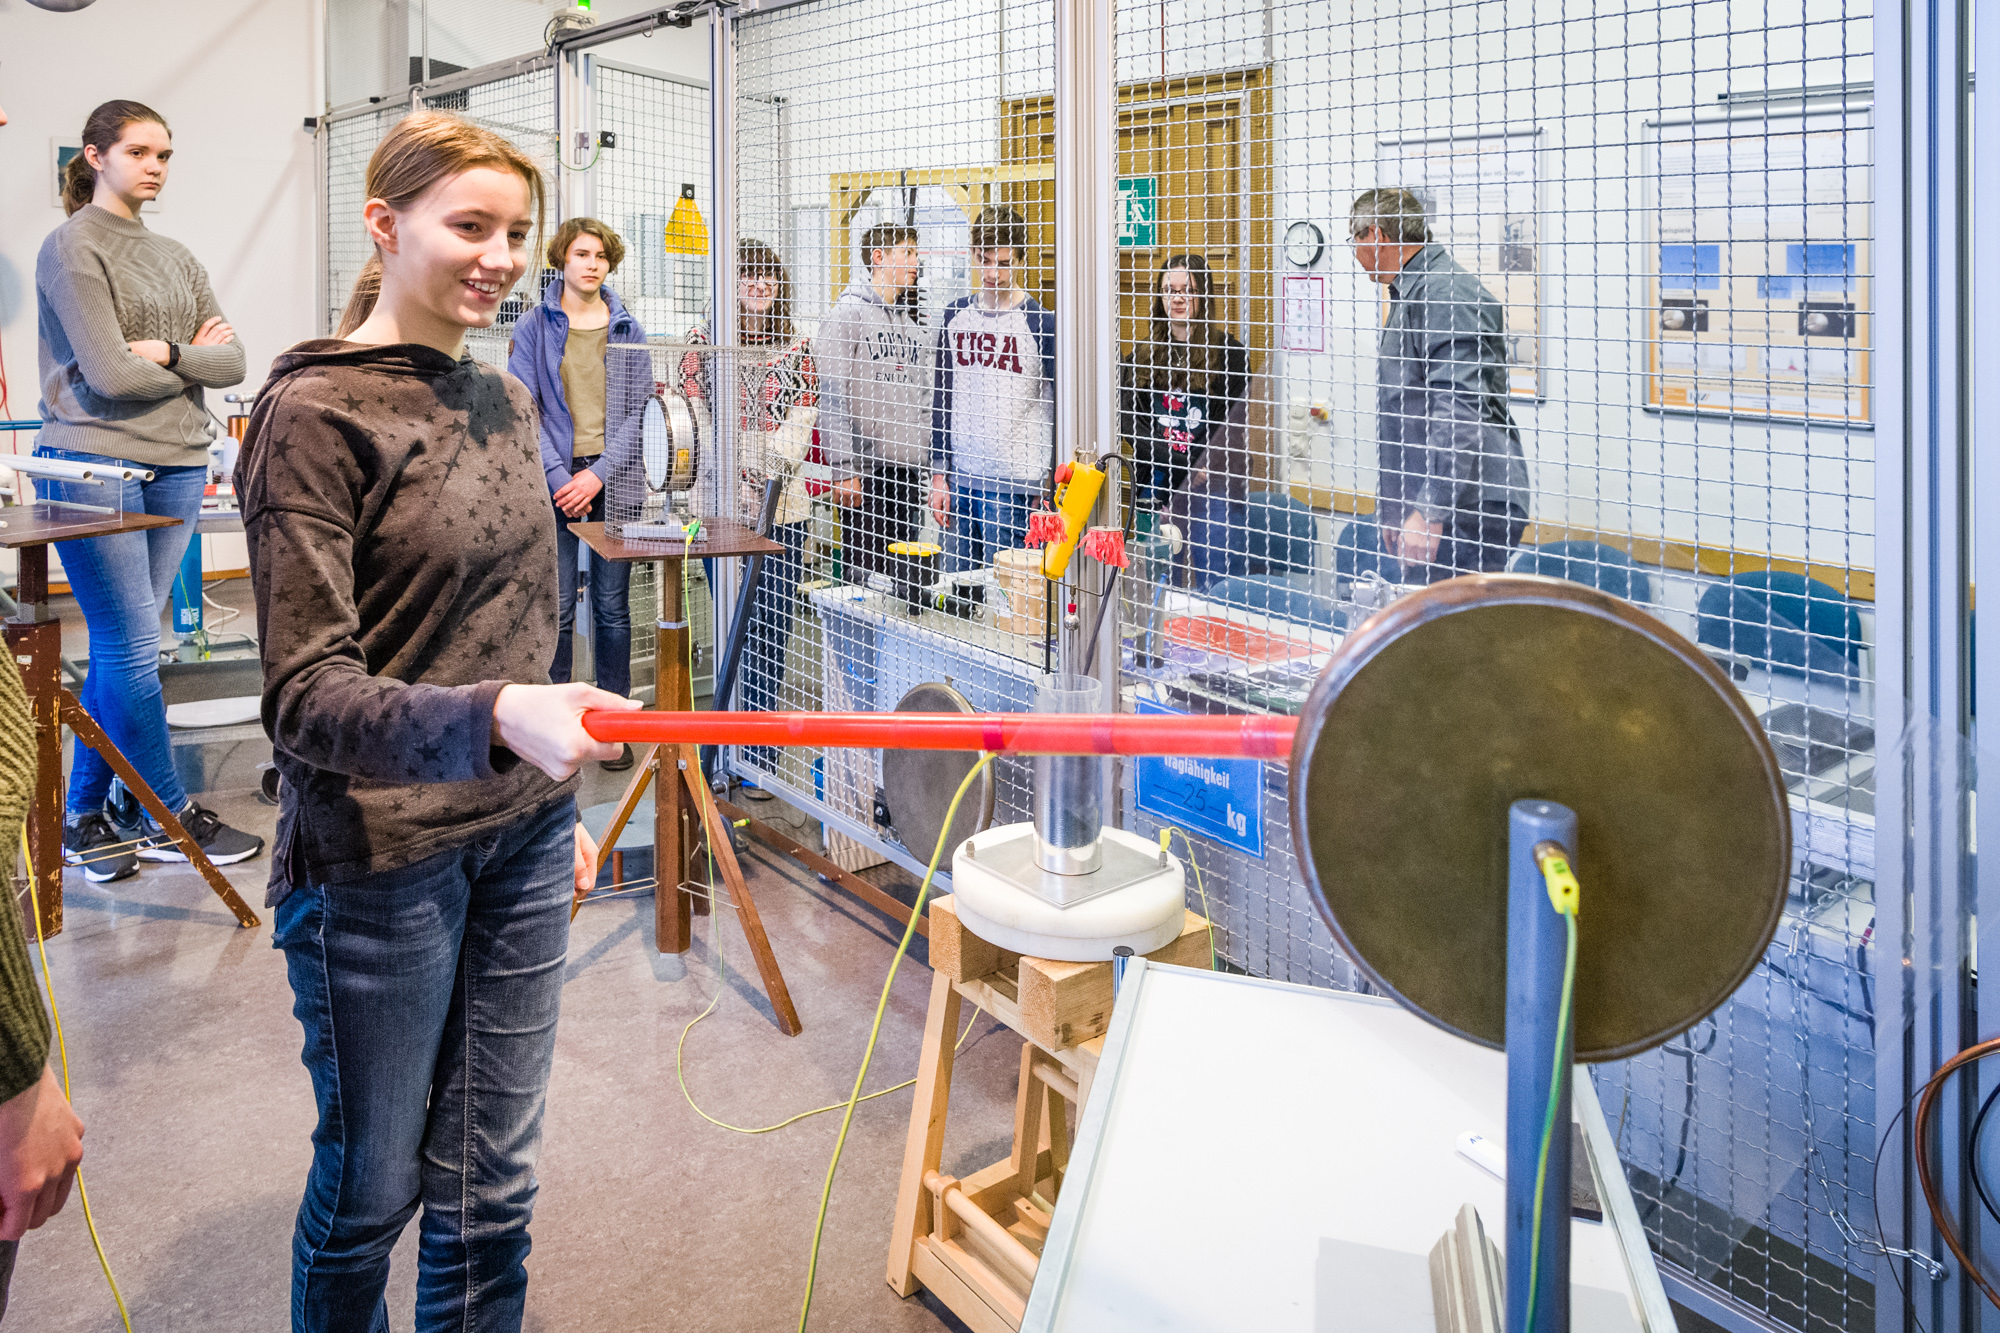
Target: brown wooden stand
{"x": 976, "y": 1243}
{"x": 684, "y": 809}
{"x": 34, "y": 636}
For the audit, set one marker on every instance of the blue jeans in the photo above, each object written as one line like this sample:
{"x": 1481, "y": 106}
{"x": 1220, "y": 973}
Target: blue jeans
{"x": 122, "y": 582}
{"x": 770, "y": 634}
{"x": 429, "y": 997}
{"x": 985, "y": 522}
{"x": 610, "y": 606}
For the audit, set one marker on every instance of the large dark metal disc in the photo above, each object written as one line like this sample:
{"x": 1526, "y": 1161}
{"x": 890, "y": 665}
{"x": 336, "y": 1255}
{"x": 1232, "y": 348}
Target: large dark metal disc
{"x": 1452, "y": 703}
{"x": 919, "y": 784}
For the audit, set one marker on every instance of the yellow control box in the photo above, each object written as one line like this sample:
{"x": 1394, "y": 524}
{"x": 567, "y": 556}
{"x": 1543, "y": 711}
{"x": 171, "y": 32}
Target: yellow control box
{"x": 1077, "y": 489}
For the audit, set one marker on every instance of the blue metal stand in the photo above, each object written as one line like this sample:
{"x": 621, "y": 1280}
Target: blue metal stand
{"x": 186, "y": 593}
{"x": 1537, "y": 940}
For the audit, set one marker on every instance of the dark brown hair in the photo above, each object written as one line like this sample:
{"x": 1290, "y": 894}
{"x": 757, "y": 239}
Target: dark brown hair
{"x": 754, "y": 259}
{"x": 420, "y": 151}
{"x": 102, "y": 131}
{"x": 998, "y": 226}
{"x": 885, "y": 236}
{"x": 565, "y": 237}
{"x": 1165, "y": 362}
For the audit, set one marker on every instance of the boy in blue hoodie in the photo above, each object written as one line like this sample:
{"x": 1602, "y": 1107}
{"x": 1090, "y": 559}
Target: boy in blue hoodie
{"x": 591, "y": 398}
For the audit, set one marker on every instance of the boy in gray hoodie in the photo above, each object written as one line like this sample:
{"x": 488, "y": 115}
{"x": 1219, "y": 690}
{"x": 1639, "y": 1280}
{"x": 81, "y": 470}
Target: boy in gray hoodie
{"x": 875, "y": 400}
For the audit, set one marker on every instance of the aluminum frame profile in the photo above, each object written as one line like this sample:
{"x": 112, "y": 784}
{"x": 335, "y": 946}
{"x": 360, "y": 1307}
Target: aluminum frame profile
{"x": 1925, "y": 889}
{"x": 1086, "y": 120}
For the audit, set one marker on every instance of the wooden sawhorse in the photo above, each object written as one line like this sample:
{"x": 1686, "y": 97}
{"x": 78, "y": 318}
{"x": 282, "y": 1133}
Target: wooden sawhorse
{"x": 976, "y": 1243}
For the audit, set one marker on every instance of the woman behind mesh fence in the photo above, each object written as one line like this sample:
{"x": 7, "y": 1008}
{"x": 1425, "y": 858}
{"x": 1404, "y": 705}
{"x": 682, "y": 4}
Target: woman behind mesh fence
{"x": 777, "y": 402}
{"x": 1179, "y": 388}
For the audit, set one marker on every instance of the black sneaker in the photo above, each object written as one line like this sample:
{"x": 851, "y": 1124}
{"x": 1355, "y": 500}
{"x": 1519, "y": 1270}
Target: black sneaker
{"x": 225, "y": 846}
{"x": 618, "y": 765}
{"x": 104, "y": 853}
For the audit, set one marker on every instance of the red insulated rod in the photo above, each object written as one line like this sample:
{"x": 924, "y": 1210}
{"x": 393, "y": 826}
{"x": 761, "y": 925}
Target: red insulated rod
{"x": 1221, "y": 737}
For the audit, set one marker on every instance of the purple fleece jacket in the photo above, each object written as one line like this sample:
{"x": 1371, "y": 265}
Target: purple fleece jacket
{"x": 405, "y": 571}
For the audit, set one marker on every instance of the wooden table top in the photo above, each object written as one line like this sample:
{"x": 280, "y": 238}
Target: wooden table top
{"x": 40, "y": 524}
{"x": 719, "y": 536}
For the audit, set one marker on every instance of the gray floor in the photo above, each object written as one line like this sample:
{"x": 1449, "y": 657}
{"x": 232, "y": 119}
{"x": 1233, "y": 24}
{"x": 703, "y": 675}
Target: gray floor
{"x": 185, "y": 1058}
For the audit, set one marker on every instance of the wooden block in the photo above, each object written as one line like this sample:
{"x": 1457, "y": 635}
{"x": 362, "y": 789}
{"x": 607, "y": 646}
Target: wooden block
{"x": 960, "y": 954}
{"x": 1066, "y": 1003}
{"x": 1190, "y": 948}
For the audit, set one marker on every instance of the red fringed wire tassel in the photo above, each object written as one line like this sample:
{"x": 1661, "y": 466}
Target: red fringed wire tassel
{"x": 1106, "y": 546}
{"x": 1045, "y": 526}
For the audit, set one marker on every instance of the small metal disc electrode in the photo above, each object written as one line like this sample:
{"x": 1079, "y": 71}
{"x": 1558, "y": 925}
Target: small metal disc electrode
{"x": 1453, "y": 702}
{"x": 919, "y": 784}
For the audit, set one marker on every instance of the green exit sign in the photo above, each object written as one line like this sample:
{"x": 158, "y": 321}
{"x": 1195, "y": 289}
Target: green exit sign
{"x": 1138, "y": 211}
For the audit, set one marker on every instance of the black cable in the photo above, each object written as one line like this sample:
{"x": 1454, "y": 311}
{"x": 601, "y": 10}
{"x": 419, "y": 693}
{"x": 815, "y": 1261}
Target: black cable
{"x": 1687, "y": 1118}
{"x": 1875, "y": 1203}
{"x": 1972, "y": 1151}
{"x": 1866, "y": 1019}
{"x": 1867, "y": 981}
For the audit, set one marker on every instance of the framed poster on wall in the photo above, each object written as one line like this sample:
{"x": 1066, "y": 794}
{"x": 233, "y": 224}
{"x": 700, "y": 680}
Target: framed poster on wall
{"x": 1482, "y": 195}
{"x": 1758, "y": 263}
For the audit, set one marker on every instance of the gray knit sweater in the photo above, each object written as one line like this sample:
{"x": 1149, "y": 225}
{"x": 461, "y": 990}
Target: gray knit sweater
{"x": 102, "y": 281}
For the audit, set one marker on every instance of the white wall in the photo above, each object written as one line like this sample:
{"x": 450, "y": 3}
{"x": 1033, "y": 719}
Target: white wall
{"x": 235, "y": 79}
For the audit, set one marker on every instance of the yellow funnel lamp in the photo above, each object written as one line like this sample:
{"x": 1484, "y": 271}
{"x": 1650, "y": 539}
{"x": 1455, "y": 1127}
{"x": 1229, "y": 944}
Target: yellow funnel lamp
{"x": 687, "y": 234}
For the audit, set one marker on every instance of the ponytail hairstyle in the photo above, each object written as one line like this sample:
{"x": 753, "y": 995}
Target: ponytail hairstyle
{"x": 102, "y": 131}
{"x": 423, "y": 149}
{"x": 1163, "y": 361}
{"x": 755, "y": 259}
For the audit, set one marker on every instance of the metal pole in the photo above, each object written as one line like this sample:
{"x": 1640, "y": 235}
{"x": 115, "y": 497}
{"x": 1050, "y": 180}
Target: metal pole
{"x": 1926, "y": 893}
{"x": 1536, "y": 944}
{"x": 1086, "y": 315}
{"x": 722, "y": 293}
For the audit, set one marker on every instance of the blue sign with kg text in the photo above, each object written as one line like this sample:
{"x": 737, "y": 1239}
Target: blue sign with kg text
{"x": 1222, "y": 799}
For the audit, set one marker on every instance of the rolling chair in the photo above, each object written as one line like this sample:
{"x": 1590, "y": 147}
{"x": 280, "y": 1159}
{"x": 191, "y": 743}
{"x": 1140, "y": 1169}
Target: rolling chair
{"x": 1593, "y": 564}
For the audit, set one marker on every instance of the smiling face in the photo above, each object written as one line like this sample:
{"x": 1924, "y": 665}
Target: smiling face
{"x": 451, "y": 257}
{"x": 585, "y": 265}
{"x": 755, "y": 293}
{"x": 134, "y": 171}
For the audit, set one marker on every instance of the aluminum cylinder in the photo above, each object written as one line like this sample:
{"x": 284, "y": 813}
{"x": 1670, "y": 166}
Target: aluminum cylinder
{"x": 1069, "y": 788}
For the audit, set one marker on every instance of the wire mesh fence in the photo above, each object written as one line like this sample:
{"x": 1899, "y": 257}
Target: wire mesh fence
{"x": 1621, "y": 336}
{"x": 519, "y": 106}
{"x": 1405, "y": 289}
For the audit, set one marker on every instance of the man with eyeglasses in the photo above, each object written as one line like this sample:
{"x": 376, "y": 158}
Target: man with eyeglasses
{"x": 1452, "y": 495}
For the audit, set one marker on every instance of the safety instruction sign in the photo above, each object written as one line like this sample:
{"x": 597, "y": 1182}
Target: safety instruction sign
{"x": 1138, "y": 211}
{"x": 1220, "y": 799}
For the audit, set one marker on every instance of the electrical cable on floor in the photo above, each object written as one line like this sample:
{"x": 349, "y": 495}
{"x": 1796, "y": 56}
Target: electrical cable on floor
{"x": 1214, "y": 958}
{"x": 62, "y": 1048}
{"x": 875, "y": 1032}
{"x": 680, "y": 1069}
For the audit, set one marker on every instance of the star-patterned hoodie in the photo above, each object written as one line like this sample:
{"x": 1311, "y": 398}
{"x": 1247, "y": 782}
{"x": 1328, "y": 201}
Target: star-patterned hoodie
{"x": 405, "y": 570}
